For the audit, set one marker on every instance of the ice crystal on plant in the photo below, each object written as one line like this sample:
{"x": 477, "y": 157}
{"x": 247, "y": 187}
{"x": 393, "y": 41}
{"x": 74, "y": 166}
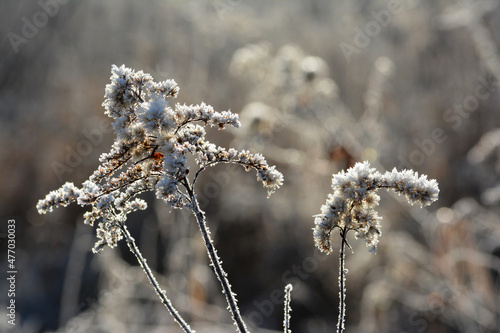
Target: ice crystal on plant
{"x": 153, "y": 140}
{"x": 351, "y": 206}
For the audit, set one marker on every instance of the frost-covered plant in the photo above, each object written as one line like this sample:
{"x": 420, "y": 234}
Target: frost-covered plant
{"x": 153, "y": 141}
{"x": 286, "y": 317}
{"x": 352, "y": 207}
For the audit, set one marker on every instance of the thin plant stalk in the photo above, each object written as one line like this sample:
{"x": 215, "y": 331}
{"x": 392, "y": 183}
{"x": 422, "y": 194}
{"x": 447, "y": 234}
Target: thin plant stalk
{"x": 342, "y": 290}
{"x": 288, "y": 299}
{"x": 215, "y": 260}
{"x": 161, "y": 293}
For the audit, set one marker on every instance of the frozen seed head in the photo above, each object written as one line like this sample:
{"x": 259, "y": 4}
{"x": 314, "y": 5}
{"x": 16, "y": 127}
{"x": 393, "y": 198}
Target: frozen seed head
{"x": 417, "y": 190}
{"x": 65, "y": 195}
{"x": 153, "y": 140}
{"x": 351, "y": 206}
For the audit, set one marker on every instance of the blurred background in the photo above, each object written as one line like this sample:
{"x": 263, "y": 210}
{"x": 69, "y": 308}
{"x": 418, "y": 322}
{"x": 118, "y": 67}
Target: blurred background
{"x": 318, "y": 85}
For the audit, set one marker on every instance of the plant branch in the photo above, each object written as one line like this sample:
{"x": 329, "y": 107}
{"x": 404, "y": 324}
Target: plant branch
{"x": 215, "y": 260}
{"x": 342, "y": 290}
{"x": 161, "y": 293}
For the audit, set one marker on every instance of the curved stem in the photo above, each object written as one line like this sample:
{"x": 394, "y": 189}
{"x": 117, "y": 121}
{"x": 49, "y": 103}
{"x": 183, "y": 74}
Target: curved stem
{"x": 161, "y": 293}
{"x": 342, "y": 290}
{"x": 214, "y": 259}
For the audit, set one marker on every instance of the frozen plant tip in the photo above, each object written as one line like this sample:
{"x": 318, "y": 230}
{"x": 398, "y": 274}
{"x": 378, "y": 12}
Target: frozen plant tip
{"x": 288, "y": 309}
{"x": 153, "y": 141}
{"x": 354, "y": 198}
{"x": 352, "y": 207}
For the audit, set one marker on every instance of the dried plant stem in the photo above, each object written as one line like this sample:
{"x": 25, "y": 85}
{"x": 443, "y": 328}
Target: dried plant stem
{"x": 342, "y": 290}
{"x": 215, "y": 260}
{"x": 161, "y": 293}
{"x": 288, "y": 309}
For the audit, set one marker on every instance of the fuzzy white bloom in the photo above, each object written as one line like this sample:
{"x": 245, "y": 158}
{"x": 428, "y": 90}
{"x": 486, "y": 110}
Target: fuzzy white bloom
{"x": 270, "y": 178}
{"x": 417, "y": 190}
{"x": 67, "y": 194}
{"x": 150, "y": 153}
{"x": 351, "y": 206}
{"x": 155, "y": 116}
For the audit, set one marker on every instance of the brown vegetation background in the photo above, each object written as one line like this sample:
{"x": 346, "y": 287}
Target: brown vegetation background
{"x": 418, "y": 87}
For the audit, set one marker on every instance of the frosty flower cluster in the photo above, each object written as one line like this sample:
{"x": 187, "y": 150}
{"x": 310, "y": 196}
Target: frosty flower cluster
{"x": 351, "y": 206}
{"x": 153, "y": 140}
